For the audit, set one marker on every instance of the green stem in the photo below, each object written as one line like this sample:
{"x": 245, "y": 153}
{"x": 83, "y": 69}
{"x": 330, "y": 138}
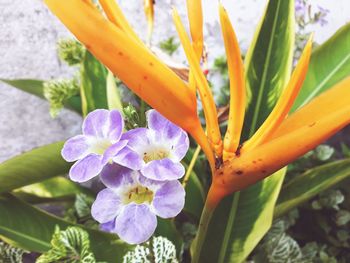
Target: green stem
{"x": 142, "y": 113}
{"x": 191, "y": 165}
{"x": 202, "y": 232}
{"x": 229, "y": 226}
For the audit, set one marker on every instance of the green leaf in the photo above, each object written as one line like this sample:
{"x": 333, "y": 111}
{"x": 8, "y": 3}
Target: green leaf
{"x": 36, "y": 87}
{"x": 329, "y": 64}
{"x": 158, "y": 249}
{"x": 305, "y": 186}
{"x": 32, "y": 86}
{"x": 57, "y": 188}
{"x": 29, "y": 228}
{"x": 268, "y": 62}
{"x": 240, "y": 221}
{"x": 113, "y": 96}
{"x": 166, "y": 228}
{"x": 32, "y": 167}
{"x": 71, "y": 245}
{"x": 93, "y": 84}
{"x": 195, "y": 196}
{"x": 53, "y": 188}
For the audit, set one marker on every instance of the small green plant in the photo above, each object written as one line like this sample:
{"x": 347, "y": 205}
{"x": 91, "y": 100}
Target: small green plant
{"x": 169, "y": 45}
{"x": 9, "y": 254}
{"x": 157, "y": 250}
{"x": 69, "y": 246}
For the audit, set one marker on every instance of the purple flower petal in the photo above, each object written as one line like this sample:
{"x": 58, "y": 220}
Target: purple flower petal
{"x": 116, "y": 125}
{"x": 128, "y": 158}
{"x": 136, "y": 224}
{"x": 180, "y": 148}
{"x": 115, "y": 176}
{"x": 138, "y": 139}
{"x": 109, "y": 226}
{"x": 104, "y": 124}
{"x": 169, "y": 200}
{"x": 165, "y": 129}
{"x": 153, "y": 185}
{"x": 86, "y": 168}
{"x": 95, "y": 122}
{"x": 113, "y": 150}
{"x": 164, "y": 169}
{"x": 106, "y": 206}
{"x": 75, "y": 148}
{"x": 155, "y": 120}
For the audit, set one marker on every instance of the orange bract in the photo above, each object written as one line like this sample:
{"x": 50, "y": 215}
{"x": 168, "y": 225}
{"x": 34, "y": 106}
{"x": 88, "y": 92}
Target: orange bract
{"x": 209, "y": 106}
{"x": 298, "y": 134}
{"x": 195, "y": 17}
{"x": 149, "y": 12}
{"x": 284, "y": 103}
{"x": 237, "y": 87}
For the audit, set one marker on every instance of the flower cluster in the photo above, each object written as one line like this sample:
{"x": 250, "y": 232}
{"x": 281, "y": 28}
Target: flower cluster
{"x": 140, "y": 169}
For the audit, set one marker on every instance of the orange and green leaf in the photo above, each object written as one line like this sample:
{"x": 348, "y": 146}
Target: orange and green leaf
{"x": 298, "y": 134}
{"x": 284, "y": 103}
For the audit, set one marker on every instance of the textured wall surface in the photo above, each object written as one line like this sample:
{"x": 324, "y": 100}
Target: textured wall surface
{"x": 28, "y": 36}
{"x": 28, "y": 50}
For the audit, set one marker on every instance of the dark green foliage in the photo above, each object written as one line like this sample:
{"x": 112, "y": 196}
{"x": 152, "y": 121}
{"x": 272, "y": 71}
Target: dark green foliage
{"x": 69, "y": 246}
{"x": 71, "y": 51}
{"x": 169, "y": 45}
{"x": 81, "y": 211}
{"x": 58, "y": 92}
{"x": 131, "y": 117}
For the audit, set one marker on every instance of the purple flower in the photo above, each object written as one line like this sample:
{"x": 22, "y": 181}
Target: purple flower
{"x": 158, "y": 149}
{"x": 130, "y": 204}
{"x": 300, "y": 7}
{"x": 100, "y": 141}
{"x": 322, "y": 13}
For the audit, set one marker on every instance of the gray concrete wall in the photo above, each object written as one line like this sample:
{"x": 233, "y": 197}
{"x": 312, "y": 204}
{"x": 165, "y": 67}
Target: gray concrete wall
{"x": 28, "y": 36}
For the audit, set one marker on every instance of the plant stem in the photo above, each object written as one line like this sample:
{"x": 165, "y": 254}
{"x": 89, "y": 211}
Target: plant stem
{"x": 190, "y": 167}
{"x": 142, "y": 113}
{"x": 202, "y": 232}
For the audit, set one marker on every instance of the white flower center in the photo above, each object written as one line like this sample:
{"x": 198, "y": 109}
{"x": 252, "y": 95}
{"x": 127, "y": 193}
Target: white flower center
{"x": 99, "y": 146}
{"x": 155, "y": 154}
{"x": 139, "y": 195}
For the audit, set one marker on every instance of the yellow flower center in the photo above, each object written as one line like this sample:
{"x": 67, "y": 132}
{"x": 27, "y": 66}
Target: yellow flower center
{"x": 138, "y": 195}
{"x": 158, "y": 154}
{"x": 100, "y": 146}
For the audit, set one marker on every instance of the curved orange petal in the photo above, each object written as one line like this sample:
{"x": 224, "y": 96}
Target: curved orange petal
{"x": 332, "y": 100}
{"x": 284, "y": 103}
{"x": 308, "y": 131}
{"x": 237, "y": 86}
{"x": 209, "y": 107}
{"x": 116, "y": 16}
{"x": 149, "y": 12}
{"x": 195, "y": 17}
